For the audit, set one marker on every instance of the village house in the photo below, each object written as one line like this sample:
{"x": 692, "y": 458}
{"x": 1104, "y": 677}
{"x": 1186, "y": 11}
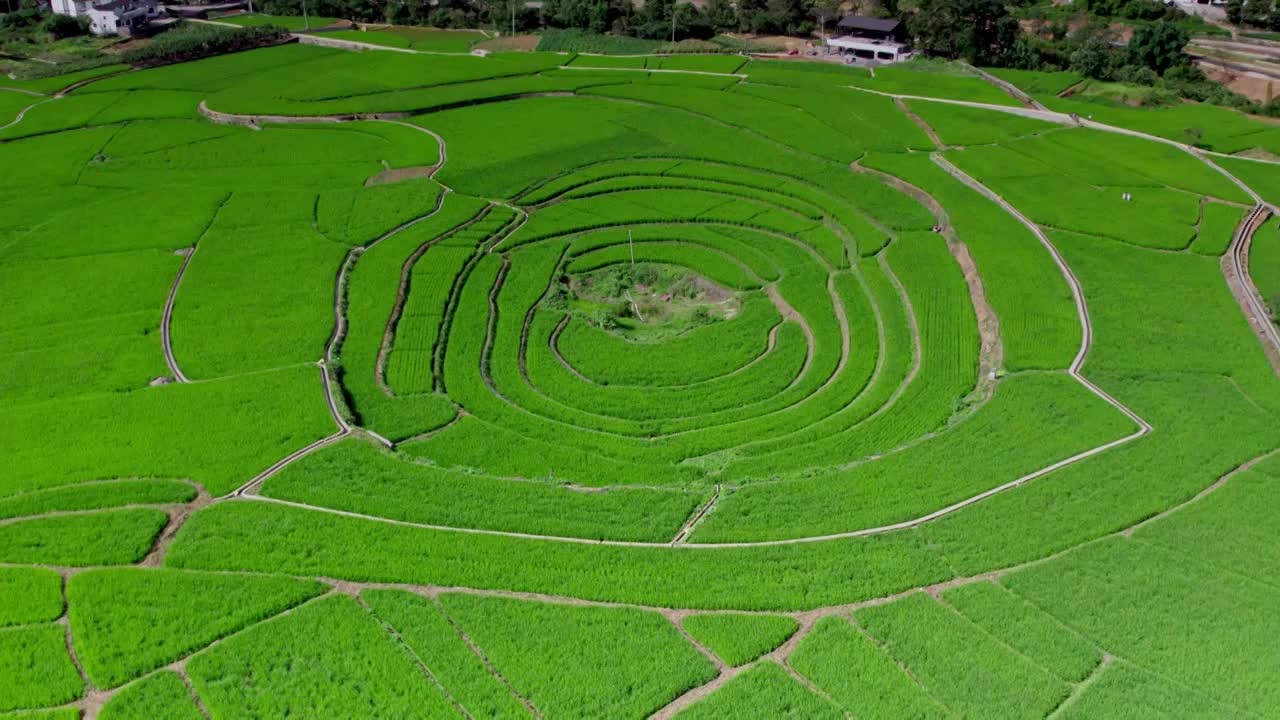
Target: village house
{"x": 112, "y": 17}
{"x": 872, "y": 39}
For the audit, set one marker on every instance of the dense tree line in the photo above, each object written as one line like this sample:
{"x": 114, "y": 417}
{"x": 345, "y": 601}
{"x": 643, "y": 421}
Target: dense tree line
{"x": 653, "y": 21}
{"x": 988, "y": 32}
{"x": 1254, "y": 13}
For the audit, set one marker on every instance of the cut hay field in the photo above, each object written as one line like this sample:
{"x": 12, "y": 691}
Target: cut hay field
{"x": 395, "y": 384}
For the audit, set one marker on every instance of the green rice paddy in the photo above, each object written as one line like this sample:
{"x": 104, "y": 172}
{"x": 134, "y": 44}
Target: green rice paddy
{"x": 402, "y": 384}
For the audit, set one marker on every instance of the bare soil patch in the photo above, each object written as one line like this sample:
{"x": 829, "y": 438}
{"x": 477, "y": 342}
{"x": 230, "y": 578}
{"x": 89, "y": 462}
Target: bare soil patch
{"x": 514, "y": 43}
{"x": 398, "y": 174}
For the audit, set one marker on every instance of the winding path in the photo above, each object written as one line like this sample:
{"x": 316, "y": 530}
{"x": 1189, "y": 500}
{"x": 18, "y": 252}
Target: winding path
{"x": 166, "y": 318}
{"x": 345, "y": 429}
{"x": 1014, "y": 91}
{"x": 1237, "y": 258}
{"x": 23, "y": 112}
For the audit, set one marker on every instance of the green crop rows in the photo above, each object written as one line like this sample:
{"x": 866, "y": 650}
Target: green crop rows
{"x": 423, "y": 384}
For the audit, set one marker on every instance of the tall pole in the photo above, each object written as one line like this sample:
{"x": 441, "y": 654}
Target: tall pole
{"x": 674, "y": 7}
{"x": 306, "y": 24}
{"x": 513, "y": 17}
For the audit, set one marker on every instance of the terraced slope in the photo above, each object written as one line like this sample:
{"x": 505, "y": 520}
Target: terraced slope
{"x": 541, "y": 389}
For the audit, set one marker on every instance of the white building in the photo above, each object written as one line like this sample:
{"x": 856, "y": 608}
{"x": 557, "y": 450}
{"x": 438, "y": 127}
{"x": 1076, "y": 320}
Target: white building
{"x": 872, "y": 39}
{"x": 71, "y": 8}
{"x": 110, "y": 17}
{"x": 121, "y": 17}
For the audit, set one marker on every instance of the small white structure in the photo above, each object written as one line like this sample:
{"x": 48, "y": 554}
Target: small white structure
{"x": 885, "y": 51}
{"x": 121, "y": 17}
{"x": 110, "y": 17}
{"x": 70, "y": 8}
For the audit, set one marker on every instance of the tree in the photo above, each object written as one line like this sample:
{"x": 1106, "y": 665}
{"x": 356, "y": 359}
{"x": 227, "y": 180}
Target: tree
{"x": 828, "y": 10}
{"x": 1235, "y": 11}
{"x": 979, "y": 31}
{"x": 750, "y": 15}
{"x": 722, "y": 15}
{"x": 1092, "y": 55}
{"x": 786, "y": 16}
{"x": 593, "y": 15}
{"x": 63, "y": 26}
{"x": 1255, "y": 12}
{"x": 1159, "y": 46}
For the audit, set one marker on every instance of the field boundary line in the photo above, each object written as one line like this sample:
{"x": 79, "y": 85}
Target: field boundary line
{"x": 252, "y": 485}
{"x": 480, "y": 655}
{"x": 320, "y": 40}
{"x": 699, "y": 692}
{"x": 1217, "y": 484}
{"x": 1061, "y": 118}
{"x": 166, "y": 318}
{"x": 24, "y": 91}
{"x": 1013, "y": 90}
{"x": 925, "y": 127}
{"x": 387, "y": 345}
{"x": 1236, "y": 263}
{"x": 398, "y": 638}
{"x": 440, "y": 350}
{"x": 1082, "y": 309}
{"x": 163, "y": 507}
{"x": 687, "y": 529}
{"x": 430, "y": 590}
{"x": 486, "y": 350}
{"x": 23, "y": 112}
{"x": 191, "y": 690}
{"x": 539, "y": 185}
{"x": 178, "y": 517}
{"x": 215, "y": 22}
{"x": 724, "y": 671}
{"x": 343, "y": 431}
{"x": 883, "y": 649}
{"x": 1080, "y": 688}
{"x": 937, "y": 596}
{"x": 1086, "y": 342}
{"x": 740, "y": 76}
{"x": 991, "y": 349}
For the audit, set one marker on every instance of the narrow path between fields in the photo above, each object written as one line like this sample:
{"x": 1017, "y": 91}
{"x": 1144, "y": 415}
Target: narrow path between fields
{"x": 23, "y": 112}
{"x": 1082, "y": 310}
{"x": 166, "y": 318}
{"x": 1235, "y": 267}
{"x": 402, "y": 296}
{"x": 925, "y": 127}
{"x": 1061, "y": 118}
{"x": 1014, "y": 91}
{"x": 94, "y": 698}
{"x": 327, "y": 361}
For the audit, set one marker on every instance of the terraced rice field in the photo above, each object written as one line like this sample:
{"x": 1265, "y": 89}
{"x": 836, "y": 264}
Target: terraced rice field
{"x": 388, "y": 384}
